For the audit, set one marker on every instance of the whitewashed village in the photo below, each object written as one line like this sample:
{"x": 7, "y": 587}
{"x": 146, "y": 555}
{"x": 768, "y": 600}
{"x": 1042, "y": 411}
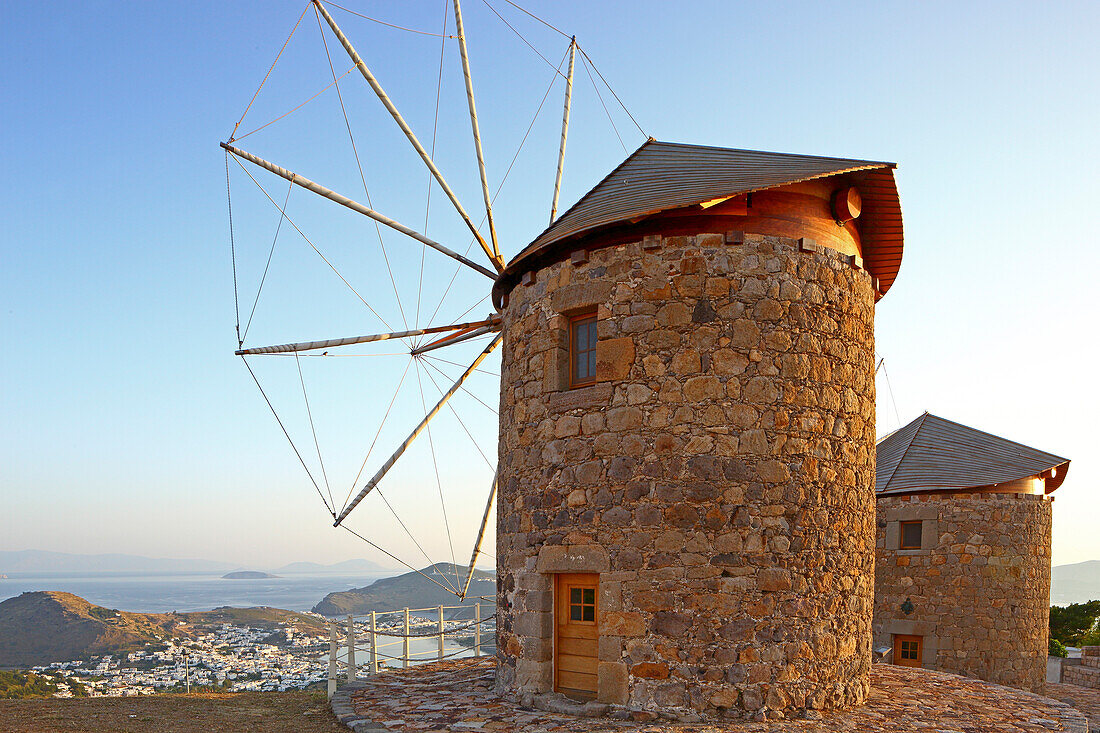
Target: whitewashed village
{"x": 238, "y": 658}
{"x": 230, "y": 658}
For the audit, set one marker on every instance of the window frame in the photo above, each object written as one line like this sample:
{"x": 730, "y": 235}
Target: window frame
{"x": 901, "y": 534}
{"x": 575, "y": 321}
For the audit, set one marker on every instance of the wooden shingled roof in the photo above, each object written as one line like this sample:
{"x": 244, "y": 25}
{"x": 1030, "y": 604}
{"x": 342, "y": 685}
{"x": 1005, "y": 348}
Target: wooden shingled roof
{"x": 660, "y": 176}
{"x": 932, "y": 453}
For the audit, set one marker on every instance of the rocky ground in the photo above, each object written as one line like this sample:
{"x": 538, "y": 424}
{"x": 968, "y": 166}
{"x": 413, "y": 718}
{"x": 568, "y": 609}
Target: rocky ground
{"x": 457, "y": 696}
{"x": 275, "y": 712}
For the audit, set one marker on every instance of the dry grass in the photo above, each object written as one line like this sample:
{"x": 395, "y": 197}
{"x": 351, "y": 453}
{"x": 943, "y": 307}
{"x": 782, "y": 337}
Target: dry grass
{"x": 262, "y": 712}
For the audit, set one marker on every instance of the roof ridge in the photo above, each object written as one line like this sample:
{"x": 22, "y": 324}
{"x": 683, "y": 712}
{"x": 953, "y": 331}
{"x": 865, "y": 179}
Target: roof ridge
{"x": 773, "y": 152}
{"x": 904, "y": 453}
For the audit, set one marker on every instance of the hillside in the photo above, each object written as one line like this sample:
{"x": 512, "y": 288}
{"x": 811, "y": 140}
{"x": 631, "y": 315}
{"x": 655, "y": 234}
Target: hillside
{"x": 1076, "y": 583}
{"x": 411, "y": 590}
{"x": 50, "y": 626}
{"x": 259, "y": 617}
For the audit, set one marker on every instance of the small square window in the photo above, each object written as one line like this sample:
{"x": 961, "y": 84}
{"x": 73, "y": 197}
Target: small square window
{"x": 911, "y": 535}
{"x": 582, "y": 350}
{"x": 582, "y": 604}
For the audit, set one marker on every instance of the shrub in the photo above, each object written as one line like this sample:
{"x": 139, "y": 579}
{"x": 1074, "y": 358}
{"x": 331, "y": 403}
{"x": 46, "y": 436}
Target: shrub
{"x": 17, "y": 685}
{"x": 1071, "y": 624}
{"x": 1056, "y": 648}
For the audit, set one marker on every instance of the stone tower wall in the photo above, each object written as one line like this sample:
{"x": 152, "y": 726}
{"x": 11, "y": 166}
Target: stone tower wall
{"x": 979, "y": 586}
{"x": 719, "y": 476}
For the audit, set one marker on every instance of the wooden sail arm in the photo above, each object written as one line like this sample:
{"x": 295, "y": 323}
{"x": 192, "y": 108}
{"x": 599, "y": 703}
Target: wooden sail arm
{"x": 477, "y": 131}
{"x": 373, "y": 82}
{"x": 331, "y": 343}
{"x": 331, "y": 195}
{"x": 455, "y": 338}
{"x": 564, "y": 128}
{"x": 480, "y": 536}
{"x": 369, "y": 486}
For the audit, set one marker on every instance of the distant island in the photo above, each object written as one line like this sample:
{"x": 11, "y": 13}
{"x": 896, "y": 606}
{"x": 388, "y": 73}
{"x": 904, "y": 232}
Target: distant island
{"x": 426, "y": 588}
{"x": 248, "y": 575}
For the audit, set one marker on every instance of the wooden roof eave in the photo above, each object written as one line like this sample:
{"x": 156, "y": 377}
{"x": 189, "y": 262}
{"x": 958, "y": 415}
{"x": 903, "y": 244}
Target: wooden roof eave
{"x": 884, "y": 265}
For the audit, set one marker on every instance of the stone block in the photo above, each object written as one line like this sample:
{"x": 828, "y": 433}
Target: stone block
{"x": 772, "y": 579}
{"x": 580, "y": 296}
{"x": 773, "y": 471}
{"x": 612, "y": 683}
{"x": 538, "y": 625}
{"x": 534, "y": 676}
{"x": 621, "y": 623}
{"x": 611, "y": 648}
{"x": 614, "y": 357}
{"x": 624, "y": 418}
{"x": 594, "y": 396}
{"x": 650, "y": 670}
{"x": 573, "y": 559}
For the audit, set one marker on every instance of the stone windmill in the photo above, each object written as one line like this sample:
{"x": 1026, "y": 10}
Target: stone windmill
{"x": 687, "y": 435}
{"x": 962, "y": 574}
{"x": 686, "y": 426}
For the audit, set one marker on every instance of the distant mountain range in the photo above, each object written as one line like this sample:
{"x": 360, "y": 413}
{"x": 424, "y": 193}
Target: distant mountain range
{"x": 41, "y": 561}
{"x": 347, "y": 567}
{"x": 426, "y": 588}
{"x": 1075, "y": 583}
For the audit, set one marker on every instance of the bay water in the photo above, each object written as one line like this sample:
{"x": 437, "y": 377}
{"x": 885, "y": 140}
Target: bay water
{"x": 186, "y": 591}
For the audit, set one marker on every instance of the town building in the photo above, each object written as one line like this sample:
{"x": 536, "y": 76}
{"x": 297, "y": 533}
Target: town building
{"x": 687, "y": 422}
{"x": 962, "y": 566}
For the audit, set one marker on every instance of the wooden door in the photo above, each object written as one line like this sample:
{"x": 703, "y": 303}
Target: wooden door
{"x": 908, "y": 650}
{"x": 576, "y": 636}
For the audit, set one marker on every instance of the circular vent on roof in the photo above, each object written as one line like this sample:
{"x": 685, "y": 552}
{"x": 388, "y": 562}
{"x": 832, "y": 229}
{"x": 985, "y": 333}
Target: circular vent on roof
{"x": 847, "y": 204}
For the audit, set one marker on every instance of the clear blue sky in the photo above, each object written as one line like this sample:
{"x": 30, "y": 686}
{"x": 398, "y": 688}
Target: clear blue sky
{"x": 129, "y": 426}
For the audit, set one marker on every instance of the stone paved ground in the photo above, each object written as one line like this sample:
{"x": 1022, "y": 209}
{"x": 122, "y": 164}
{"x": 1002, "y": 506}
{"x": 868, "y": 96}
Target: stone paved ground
{"x": 1085, "y": 699}
{"x": 458, "y": 696}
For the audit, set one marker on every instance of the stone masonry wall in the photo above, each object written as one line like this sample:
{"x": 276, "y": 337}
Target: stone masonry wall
{"x": 719, "y": 476}
{"x": 979, "y": 586}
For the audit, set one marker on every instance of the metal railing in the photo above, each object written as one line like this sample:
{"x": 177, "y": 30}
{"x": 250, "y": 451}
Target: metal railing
{"x": 406, "y": 626}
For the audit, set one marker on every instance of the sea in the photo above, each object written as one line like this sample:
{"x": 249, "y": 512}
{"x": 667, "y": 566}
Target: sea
{"x": 186, "y": 591}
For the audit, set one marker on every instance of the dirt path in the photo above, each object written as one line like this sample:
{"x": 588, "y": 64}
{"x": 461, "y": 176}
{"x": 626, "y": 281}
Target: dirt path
{"x": 243, "y": 712}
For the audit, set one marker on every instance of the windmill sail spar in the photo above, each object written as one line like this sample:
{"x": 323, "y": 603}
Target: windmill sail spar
{"x": 480, "y": 536}
{"x": 416, "y": 431}
{"x": 564, "y": 128}
{"x": 496, "y": 260}
{"x": 354, "y": 206}
{"x": 477, "y": 134}
{"x": 331, "y": 343}
{"x": 417, "y": 347}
